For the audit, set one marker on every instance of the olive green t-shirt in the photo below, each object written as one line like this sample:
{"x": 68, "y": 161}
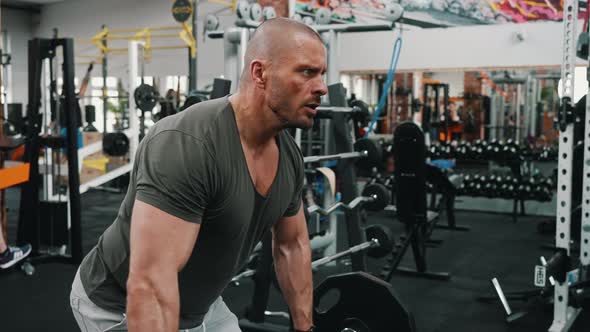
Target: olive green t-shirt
{"x": 192, "y": 166}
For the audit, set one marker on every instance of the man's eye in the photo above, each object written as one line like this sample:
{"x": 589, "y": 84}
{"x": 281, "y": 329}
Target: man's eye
{"x": 307, "y": 72}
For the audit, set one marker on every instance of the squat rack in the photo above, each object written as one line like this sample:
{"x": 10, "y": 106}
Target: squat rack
{"x": 564, "y": 314}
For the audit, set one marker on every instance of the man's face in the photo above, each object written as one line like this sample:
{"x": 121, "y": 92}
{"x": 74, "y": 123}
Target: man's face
{"x": 296, "y": 83}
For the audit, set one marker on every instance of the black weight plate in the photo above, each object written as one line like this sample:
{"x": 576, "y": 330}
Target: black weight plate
{"x": 115, "y": 144}
{"x": 369, "y": 300}
{"x": 374, "y": 153}
{"x": 385, "y": 237}
{"x": 383, "y": 196}
{"x": 146, "y": 97}
{"x": 361, "y": 111}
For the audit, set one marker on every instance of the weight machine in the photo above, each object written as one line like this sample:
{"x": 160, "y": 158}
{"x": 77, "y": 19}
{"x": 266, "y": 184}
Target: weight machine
{"x": 33, "y": 210}
{"x": 51, "y": 221}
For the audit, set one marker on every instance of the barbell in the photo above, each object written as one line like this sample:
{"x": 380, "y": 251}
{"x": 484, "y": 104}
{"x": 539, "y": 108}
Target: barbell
{"x": 368, "y": 152}
{"x": 375, "y": 197}
{"x": 380, "y": 244}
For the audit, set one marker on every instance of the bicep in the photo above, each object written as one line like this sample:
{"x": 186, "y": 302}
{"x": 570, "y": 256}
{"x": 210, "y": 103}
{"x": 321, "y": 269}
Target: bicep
{"x": 159, "y": 242}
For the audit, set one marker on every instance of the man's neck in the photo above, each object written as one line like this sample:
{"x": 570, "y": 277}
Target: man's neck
{"x": 257, "y": 126}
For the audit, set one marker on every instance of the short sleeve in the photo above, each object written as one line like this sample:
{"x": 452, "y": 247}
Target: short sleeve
{"x": 175, "y": 173}
{"x": 296, "y": 199}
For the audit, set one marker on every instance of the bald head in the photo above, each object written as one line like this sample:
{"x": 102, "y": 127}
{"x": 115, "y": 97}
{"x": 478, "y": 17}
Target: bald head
{"x": 275, "y": 40}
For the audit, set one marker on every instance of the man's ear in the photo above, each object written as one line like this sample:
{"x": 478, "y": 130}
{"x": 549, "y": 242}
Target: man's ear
{"x": 258, "y": 73}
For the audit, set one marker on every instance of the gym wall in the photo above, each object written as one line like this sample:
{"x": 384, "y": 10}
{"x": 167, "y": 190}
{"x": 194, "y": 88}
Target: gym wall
{"x": 83, "y": 19}
{"x": 468, "y": 47}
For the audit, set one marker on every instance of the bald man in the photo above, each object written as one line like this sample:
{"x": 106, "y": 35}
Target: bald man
{"x": 206, "y": 185}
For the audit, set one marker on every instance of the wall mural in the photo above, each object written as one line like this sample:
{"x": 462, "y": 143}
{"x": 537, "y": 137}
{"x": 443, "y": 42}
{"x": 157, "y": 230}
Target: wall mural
{"x": 459, "y": 11}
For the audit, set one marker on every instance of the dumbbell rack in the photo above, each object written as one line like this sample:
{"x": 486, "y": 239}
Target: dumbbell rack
{"x": 564, "y": 314}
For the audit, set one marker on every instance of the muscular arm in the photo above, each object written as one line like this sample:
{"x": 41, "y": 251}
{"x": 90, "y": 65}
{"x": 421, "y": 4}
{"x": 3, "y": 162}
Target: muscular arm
{"x": 292, "y": 258}
{"x": 160, "y": 246}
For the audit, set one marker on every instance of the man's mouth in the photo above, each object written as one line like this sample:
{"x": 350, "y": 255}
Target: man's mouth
{"x": 312, "y": 107}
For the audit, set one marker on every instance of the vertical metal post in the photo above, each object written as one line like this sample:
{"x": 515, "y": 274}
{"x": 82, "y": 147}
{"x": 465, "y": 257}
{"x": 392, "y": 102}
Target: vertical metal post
{"x": 28, "y": 219}
{"x": 3, "y": 111}
{"x": 231, "y": 38}
{"x": 133, "y": 119}
{"x": 7, "y": 76}
{"x": 333, "y": 57}
{"x": 72, "y": 149}
{"x": 585, "y": 229}
{"x": 446, "y": 111}
{"x": 104, "y": 85}
{"x": 244, "y": 38}
{"x": 48, "y": 193}
{"x": 192, "y": 61}
{"x": 501, "y": 117}
{"x": 517, "y": 121}
{"x": 530, "y": 110}
{"x": 563, "y": 314}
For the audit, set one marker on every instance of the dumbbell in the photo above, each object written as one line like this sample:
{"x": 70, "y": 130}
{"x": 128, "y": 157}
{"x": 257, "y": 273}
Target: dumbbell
{"x": 433, "y": 152}
{"x": 484, "y": 150}
{"x": 490, "y": 187}
{"x": 467, "y": 185}
{"x": 500, "y": 186}
{"x": 509, "y": 188}
{"x": 512, "y": 151}
{"x": 524, "y": 190}
{"x": 446, "y": 151}
{"x": 463, "y": 150}
{"x": 493, "y": 150}
{"x": 543, "y": 189}
{"x": 471, "y": 153}
{"x": 476, "y": 186}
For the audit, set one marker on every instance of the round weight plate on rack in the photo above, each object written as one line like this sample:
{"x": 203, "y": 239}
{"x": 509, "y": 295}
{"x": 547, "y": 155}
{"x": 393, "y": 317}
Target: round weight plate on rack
{"x": 146, "y": 97}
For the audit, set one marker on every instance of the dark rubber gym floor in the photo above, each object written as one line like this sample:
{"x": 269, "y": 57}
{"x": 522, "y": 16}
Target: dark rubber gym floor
{"x": 495, "y": 247}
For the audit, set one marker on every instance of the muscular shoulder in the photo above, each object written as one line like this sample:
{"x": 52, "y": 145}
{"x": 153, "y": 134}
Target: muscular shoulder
{"x": 197, "y": 121}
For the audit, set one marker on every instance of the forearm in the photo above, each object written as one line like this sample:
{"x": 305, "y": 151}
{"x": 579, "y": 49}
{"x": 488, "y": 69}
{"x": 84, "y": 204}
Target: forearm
{"x": 293, "y": 269}
{"x": 151, "y": 310}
